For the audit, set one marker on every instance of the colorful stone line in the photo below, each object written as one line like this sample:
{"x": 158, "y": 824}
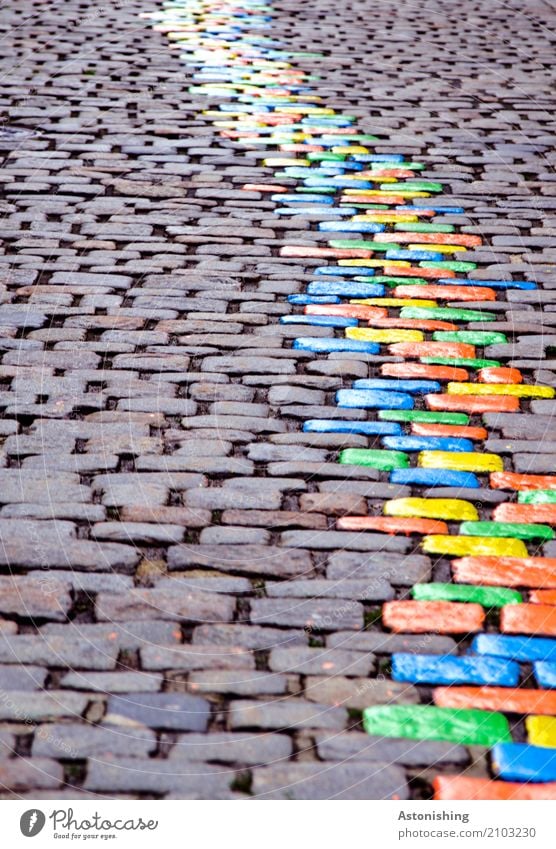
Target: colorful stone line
{"x": 389, "y": 283}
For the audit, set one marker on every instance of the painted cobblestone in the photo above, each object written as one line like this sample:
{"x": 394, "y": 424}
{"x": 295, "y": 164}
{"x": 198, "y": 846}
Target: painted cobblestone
{"x": 193, "y": 405}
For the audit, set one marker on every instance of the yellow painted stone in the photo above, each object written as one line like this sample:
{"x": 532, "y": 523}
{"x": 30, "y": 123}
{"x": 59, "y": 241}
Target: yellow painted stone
{"x": 394, "y": 302}
{"x": 460, "y": 461}
{"x": 438, "y": 249}
{"x": 450, "y": 509}
{"x": 541, "y": 731}
{"x": 284, "y": 163}
{"x": 387, "y": 337}
{"x": 520, "y": 390}
{"x": 474, "y": 546}
{"x": 351, "y": 148}
{"x": 387, "y": 218}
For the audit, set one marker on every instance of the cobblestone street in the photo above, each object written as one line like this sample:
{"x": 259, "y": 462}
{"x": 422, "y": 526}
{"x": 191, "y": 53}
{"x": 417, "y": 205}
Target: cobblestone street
{"x": 277, "y": 340}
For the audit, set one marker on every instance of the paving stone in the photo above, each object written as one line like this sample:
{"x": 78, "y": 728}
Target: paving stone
{"x": 316, "y": 781}
{"x": 72, "y": 742}
{"x": 167, "y": 711}
{"x": 282, "y": 715}
{"x": 227, "y": 747}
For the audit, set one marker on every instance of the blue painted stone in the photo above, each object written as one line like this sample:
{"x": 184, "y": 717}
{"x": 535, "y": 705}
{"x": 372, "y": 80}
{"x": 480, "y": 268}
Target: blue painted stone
{"x": 448, "y": 669}
{"x": 414, "y": 255}
{"x": 303, "y": 300}
{"x": 415, "y": 387}
{"x": 523, "y": 762}
{"x": 427, "y": 443}
{"x": 422, "y": 204}
{"x": 340, "y": 426}
{"x": 327, "y": 346}
{"x": 325, "y": 121}
{"x": 319, "y": 320}
{"x": 525, "y": 649}
{"x": 345, "y": 289}
{"x": 338, "y": 183}
{"x": 303, "y": 198}
{"x": 292, "y": 171}
{"x": 435, "y": 477}
{"x": 374, "y": 400}
{"x": 351, "y": 226}
{"x": 378, "y": 157}
{"x": 341, "y": 271}
{"x": 491, "y": 284}
{"x": 545, "y": 673}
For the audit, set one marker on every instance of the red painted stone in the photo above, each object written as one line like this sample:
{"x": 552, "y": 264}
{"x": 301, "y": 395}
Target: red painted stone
{"x": 449, "y": 788}
{"x": 347, "y": 310}
{"x": 473, "y": 404}
{"x": 543, "y": 514}
{"x": 507, "y": 699}
{"x": 423, "y": 370}
{"x": 465, "y": 431}
{"x": 529, "y": 619}
{"x": 446, "y": 293}
{"x": 433, "y": 349}
{"x": 521, "y": 483}
{"x": 379, "y": 197}
{"x": 409, "y": 271}
{"x": 432, "y": 239}
{"x": 499, "y": 374}
{"x": 414, "y": 324}
{"x": 506, "y": 571}
{"x": 440, "y": 617}
{"x": 387, "y": 525}
{"x": 543, "y": 597}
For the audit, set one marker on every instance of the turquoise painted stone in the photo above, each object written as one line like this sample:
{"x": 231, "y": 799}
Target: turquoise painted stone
{"x": 491, "y": 284}
{"x": 435, "y": 477}
{"x": 345, "y": 289}
{"x": 319, "y": 320}
{"x": 427, "y": 722}
{"x": 340, "y": 426}
{"x": 448, "y": 669}
{"x": 427, "y": 443}
{"x": 326, "y": 346}
{"x": 545, "y": 673}
{"x": 414, "y": 387}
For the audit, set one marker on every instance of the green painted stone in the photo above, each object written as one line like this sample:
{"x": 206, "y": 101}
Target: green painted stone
{"x": 326, "y": 156}
{"x": 427, "y": 722}
{"x": 423, "y": 416}
{"x": 515, "y": 530}
{"x": 465, "y": 362}
{"x": 393, "y": 281}
{"x": 415, "y": 186}
{"x": 377, "y": 206}
{"x": 315, "y": 190}
{"x": 485, "y": 596}
{"x": 419, "y": 227}
{"x": 537, "y": 496}
{"x": 451, "y": 265}
{"x": 470, "y": 337}
{"x": 384, "y": 461}
{"x": 361, "y": 243}
{"x": 409, "y": 166}
{"x": 447, "y": 314}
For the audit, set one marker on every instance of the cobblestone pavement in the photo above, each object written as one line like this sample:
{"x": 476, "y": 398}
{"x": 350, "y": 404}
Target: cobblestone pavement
{"x": 189, "y": 608}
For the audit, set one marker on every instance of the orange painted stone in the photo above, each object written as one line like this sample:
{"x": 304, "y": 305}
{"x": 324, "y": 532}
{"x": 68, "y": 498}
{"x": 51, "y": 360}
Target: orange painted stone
{"x": 521, "y": 483}
{"x": 507, "y": 699}
{"x": 449, "y": 788}
{"x": 433, "y": 238}
{"x": 423, "y": 370}
{"x": 347, "y": 310}
{"x": 302, "y": 251}
{"x": 393, "y": 525}
{"x": 387, "y": 172}
{"x": 499, "y": 374}
{"x": 433, "y": 349}
{"x": 528, "y": 513}
{"x": 415, "y": 324}
{"x": 409, "y": 271}
{"x": 529, "y": 619}
{"x": 473, "y": 404}
{"x": 446, "y": 293}
{"x": 543, "y": 597}
{"x": 263, "y": 187}
{"x": 465, "y": 431}
{"x": 506, "y": 571}
{"x": 441, "y": 617}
